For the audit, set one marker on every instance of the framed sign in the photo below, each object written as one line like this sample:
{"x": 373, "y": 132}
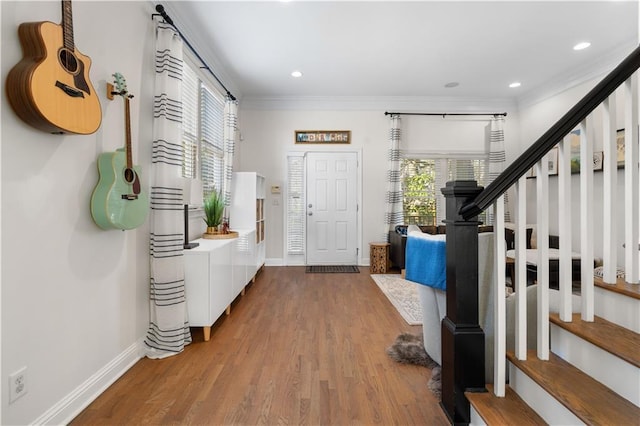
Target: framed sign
{"x": 323, "y": 136}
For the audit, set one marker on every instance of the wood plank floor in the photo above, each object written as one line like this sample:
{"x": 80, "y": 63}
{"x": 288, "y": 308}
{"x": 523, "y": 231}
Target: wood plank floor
{"x": 297, "y": 349}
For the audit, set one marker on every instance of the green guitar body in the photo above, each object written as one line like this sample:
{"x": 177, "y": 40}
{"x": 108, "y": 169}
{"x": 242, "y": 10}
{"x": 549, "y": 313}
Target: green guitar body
{"x": 109, "y": 209}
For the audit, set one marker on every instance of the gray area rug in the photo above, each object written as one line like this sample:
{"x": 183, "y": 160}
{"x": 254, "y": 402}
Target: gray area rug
{"x": 326, "y": 269}
{"x": 402, "y": 294}
{"x": 409, "y": 349}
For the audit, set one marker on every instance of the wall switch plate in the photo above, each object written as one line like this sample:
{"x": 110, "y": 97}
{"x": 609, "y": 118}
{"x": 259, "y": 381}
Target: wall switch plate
{"x": 17, "y": 384}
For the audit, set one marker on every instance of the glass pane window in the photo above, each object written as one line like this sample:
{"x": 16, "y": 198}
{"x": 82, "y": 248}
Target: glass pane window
{"x": 202, "y": 131}
{"x": 211, "y": 141}
{"x": 418, "y": 191}
{"x": 423, "y": 179}
{"x": 295, "y": 205}
{"x": 190, "y": 84}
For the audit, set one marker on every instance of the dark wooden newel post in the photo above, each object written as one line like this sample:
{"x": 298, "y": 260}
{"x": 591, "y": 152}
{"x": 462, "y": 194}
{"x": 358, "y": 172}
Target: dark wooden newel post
{"x": 462, "y": 337}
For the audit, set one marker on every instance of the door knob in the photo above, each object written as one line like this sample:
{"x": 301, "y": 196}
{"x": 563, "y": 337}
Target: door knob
{"x": 310, "y": 213}
{"x": 310, "y": 205}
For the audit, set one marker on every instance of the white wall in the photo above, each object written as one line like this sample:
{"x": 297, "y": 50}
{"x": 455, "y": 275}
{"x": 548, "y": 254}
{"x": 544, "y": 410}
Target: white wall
{"x": 538, "y": 118}
{"x": 74, "y": 297}
{"x": 268, "y": 135}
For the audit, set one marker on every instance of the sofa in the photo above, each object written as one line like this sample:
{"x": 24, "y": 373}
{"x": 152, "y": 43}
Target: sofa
{"x": 398, "y": 240}
{"x": 433, "y": 303}
{"x": 532, "y": 256}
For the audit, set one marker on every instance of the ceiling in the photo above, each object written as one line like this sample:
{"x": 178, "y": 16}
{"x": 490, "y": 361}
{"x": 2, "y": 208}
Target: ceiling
{"x": 404, "y": 49}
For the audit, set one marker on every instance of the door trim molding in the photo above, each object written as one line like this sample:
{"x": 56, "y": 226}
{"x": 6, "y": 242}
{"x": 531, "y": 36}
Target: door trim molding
{"x": 302, "y": 260}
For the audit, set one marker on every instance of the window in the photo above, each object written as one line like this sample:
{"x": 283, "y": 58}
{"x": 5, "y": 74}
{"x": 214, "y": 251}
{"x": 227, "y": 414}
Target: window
{"x": 202, "y": 131}
{"x": 418, "y": 191}
{"x": 211, "y": 141}
{"x": 424, "y": 177}
{"x": 295, "y": 205}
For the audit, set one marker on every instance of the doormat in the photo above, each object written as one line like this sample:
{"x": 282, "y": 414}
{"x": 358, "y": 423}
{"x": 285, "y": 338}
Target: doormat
{"x": 326, "y": 269}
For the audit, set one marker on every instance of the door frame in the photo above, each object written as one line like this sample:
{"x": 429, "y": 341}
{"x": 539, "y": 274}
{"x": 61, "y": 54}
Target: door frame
{"x": 293, "y": 260}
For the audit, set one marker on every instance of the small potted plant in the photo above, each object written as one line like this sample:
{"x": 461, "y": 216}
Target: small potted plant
{"x": 213, "y": 211}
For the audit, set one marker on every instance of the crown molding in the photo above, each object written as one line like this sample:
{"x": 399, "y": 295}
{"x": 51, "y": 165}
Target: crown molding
{"x": 378, "y": 103}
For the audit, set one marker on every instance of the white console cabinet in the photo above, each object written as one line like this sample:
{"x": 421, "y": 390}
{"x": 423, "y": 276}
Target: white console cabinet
{"x": 215, "y": 273}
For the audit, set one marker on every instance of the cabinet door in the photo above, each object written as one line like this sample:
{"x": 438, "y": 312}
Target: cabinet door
{"x": 252, "y": 256}
{"x": 207, "y": 277}
{"x": 239, "y": 263}
{"x": 196, "y": 281}
{"x": 221, "y": 281}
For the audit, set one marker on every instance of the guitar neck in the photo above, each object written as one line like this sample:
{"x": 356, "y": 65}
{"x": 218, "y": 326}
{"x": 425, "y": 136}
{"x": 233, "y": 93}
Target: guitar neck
{"x": 127, "y": 121}
{"x": 67, "y": 25}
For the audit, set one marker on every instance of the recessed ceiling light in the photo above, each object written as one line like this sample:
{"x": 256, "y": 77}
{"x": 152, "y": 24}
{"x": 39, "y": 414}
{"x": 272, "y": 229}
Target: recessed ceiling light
{"x": 452, "y": 84}
{"x": 296, "y": 74}
{"x": 515, "y": 84}
{"x": 582, "y": 45}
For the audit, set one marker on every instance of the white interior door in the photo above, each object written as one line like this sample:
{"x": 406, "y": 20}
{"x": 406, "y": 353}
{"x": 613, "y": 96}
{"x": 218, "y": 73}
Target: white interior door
{"x": 332, "y": 208}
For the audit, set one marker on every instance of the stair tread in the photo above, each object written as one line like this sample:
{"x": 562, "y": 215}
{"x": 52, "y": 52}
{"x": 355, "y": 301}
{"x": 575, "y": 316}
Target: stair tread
{"x": 614, "y": 339}
{"x": 509, "y": 410}
{"x": 622, "y": 287}
{"x": 591, "y": 401}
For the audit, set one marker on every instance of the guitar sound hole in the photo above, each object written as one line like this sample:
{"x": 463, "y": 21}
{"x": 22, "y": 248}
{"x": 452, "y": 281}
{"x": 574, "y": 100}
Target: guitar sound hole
{"x": 68, "y": 60}
{"x": 129, "y": 176}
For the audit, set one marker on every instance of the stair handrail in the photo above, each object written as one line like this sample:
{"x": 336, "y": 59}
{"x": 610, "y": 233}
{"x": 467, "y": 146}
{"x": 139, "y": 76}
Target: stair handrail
{"x": 551, "y": 137}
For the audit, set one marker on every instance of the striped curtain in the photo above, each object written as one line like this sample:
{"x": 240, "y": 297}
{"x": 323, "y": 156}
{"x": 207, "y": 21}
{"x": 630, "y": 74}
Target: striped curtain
{"x": 497, "y": 158}
{"x": 230, "y": 131}
{"x": 169, "y": 326}
{"x": 394, "y": 214}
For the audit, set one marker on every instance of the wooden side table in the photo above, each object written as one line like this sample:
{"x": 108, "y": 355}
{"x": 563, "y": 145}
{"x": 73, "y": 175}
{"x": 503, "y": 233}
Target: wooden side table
{"x": 378, "y": 258}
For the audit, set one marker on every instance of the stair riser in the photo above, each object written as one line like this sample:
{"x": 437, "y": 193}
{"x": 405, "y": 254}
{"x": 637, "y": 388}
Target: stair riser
{"x": 618, "y": 309}
{"x": 475, "y": 419}
{"x": 537, "y": 398}
{"x": 615, "y": 373}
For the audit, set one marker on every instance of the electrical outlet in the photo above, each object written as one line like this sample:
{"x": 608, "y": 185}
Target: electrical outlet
{"x": 17, "y": 384}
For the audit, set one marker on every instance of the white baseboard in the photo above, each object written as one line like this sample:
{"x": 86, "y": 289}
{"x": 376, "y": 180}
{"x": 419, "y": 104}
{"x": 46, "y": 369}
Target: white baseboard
{"x": 70, "y": 406}
{"x": 300, "y": 262}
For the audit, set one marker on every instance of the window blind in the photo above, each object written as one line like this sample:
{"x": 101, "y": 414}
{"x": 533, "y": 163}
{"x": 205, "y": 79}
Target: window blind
{"x": 295, "y": 204}
{"x": 202, "y": 131}
{"x": 190, "y": 109}
{"x": 211, "y": 141}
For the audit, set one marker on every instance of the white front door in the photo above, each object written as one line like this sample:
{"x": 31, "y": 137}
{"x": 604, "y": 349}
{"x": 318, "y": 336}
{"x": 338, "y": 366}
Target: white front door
{"x": 332, "y": 208}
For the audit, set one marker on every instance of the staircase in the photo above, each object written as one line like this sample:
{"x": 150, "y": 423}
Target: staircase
{"x": 592, "y": 376}
{"x": 585, "y": 368}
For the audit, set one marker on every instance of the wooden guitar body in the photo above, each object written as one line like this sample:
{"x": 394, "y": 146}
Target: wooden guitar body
{"x": 50, "y": 87}
{"x": 114, "y": 203}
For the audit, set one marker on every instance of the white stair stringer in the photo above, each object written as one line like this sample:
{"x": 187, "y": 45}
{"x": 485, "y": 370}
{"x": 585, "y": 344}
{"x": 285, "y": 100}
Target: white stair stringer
{"x": 547, "y": 407}
{"x": 618, "y": 309}
{"x": 617, "y": 374}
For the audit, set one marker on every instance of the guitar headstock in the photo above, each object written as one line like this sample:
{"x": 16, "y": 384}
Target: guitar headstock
{"x": 121, "y": 86}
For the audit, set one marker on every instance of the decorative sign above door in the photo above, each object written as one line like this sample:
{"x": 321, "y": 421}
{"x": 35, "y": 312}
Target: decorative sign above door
{"x": 323, "y": 136}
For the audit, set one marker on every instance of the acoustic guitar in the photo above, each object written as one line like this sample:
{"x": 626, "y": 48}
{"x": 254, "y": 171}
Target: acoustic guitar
{"x": 50, "y": 88}
{"x": 118, "y": 201}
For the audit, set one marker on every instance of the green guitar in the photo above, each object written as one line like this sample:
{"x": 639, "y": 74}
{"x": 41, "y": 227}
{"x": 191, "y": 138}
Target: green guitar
{"x": 118, "y": 200}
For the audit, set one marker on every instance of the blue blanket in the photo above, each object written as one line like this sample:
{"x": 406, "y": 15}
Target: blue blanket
{"x": 426, "y": 260}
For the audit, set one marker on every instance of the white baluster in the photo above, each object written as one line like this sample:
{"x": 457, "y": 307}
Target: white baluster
{"x": 586, "y": 222}
{"x": 631, "y": 180}
{"x": 500, "y": 328}
{"x": 564, "y": 227}
{"x": 542, "y": 187}
{"x": 610, "y": 189}
{"x": 520, "y": 285}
